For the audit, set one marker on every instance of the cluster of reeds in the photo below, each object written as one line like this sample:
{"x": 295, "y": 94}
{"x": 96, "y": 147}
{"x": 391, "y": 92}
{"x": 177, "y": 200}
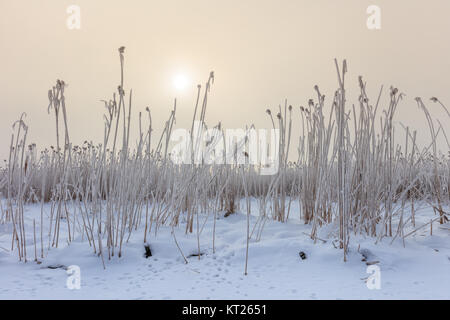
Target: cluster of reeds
{"x": 350, "y": 171}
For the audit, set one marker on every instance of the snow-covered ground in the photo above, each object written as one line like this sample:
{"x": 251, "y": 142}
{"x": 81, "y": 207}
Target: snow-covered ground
{"x": 420, "y": 270}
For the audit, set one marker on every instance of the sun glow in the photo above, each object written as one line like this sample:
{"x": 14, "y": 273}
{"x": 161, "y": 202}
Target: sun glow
{"x": 180, "y": 82}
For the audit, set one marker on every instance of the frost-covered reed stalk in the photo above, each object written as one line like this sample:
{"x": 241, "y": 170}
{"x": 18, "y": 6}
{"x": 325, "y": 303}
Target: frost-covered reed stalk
{"x": 350, "y": 171}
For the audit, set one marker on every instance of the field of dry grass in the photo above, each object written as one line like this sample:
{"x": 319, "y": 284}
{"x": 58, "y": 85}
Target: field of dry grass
{"x": 348, "y": 169}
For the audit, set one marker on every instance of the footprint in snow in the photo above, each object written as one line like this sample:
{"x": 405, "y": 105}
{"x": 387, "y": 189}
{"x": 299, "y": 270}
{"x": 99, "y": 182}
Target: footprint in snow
{"x": 368, "y": 257}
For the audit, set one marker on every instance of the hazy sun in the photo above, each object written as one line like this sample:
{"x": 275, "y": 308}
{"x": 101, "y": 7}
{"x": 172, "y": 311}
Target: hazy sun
{"x": 180, "y": 82}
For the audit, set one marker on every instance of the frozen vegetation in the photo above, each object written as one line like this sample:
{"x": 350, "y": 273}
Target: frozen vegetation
{"x": 347, "y": 189}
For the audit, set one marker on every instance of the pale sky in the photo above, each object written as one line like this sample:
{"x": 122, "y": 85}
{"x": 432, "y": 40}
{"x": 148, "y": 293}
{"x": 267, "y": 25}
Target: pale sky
{"x": 262, "y": 52}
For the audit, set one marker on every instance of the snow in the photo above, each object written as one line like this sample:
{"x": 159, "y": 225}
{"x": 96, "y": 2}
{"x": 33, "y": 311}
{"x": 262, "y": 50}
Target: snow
{"x": 420, "y": 270}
